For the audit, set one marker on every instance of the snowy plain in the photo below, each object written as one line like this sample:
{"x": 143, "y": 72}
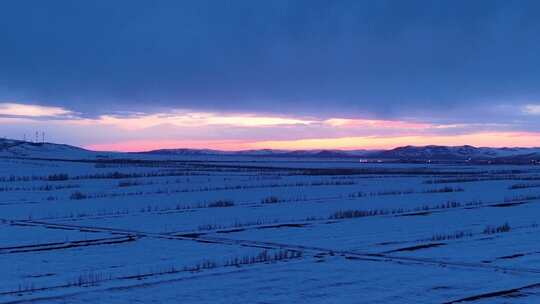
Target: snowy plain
{"x": 177, "y": 229}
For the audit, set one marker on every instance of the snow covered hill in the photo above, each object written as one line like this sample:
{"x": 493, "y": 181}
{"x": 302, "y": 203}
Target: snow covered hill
{"x": 456, "y": 153}
{"x": 267, "y": 153}
{"x": 407, "y": 153}
{"x": 25, "y": 149}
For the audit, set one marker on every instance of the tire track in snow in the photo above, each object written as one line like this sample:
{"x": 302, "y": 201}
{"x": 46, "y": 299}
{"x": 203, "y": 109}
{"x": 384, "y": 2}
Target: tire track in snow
{"x": 380, "y": 257}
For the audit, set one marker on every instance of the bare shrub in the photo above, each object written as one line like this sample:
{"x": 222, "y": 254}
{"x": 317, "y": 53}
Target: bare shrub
{"x": 206, "y": 264}
{"x": 523, "y": 186}
{"x": 77, "y": 195}
{"x": 270, "y": 200}
{"x": 128, "y": 183}
{"x": 446, "y": 189}
{"x": 264, "y": 257}
{"x": 497, "y": 229}
{"x": 347, "y": 214}
{"x": 90, "y": 279}
{"x": 451, "y": 236}
{"x": 58, "y": 177}
{"x": 221, "y": 204}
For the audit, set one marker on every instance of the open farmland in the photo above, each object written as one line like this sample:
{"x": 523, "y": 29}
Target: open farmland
{"x": 267, "y": 230}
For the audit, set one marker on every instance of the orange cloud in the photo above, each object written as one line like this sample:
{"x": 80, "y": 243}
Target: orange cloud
{"x": 248, "y": 130}
{"x": 502, "y": 139}
{"x": 489, "y": 139}
{"x": 147, "y": 145}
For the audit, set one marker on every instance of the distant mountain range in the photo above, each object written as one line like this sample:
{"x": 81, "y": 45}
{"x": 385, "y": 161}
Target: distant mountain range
{"x": 455, "y": 153}
{"x": 17, "y": 148}
{"x": 267, "y": 153}
{"x": 407, "y": 153}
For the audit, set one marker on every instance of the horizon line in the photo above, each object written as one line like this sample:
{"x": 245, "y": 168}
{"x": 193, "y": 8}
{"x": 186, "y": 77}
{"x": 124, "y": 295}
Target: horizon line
{"x": 89, "y": 147}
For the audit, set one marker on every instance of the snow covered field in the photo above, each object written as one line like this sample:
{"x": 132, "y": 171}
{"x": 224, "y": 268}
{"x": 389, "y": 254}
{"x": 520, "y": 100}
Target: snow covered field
{"x": 255, "y": 230}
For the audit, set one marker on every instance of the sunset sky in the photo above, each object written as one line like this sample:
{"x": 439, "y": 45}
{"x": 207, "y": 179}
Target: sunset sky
{"x": 133, "y": 75}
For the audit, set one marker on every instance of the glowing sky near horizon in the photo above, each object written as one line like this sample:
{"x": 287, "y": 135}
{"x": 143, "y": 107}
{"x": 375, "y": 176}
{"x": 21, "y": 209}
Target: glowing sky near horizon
{"x": 135, "y": 75}
{"x": 242, "y": 131}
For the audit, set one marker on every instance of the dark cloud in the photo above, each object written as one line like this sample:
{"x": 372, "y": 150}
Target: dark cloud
{"x": 389, "y": 59}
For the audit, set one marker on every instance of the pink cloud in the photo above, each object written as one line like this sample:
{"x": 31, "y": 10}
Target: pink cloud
{"x": 487, "y": 139}
{"x": 28, "y": 110}
{"x": 377, "y": 124}
{"x": 238, "y": 131}
{"x": 500, "y": 139}
{"x": 147, "y": 145}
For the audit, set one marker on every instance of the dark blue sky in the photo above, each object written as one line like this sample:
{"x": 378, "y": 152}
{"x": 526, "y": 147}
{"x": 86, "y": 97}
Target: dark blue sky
{"x": 429, "y": 61}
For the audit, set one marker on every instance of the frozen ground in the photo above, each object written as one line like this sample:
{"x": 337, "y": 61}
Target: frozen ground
{"x": 267, "y": 231}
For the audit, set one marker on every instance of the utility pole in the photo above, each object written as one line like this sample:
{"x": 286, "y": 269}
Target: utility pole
{"x": 43, "y": 137}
